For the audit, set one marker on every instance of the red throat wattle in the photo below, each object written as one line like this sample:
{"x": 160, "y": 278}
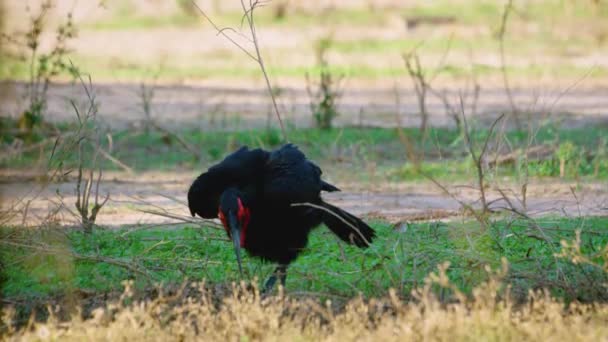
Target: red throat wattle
{"x": 243, "y": 215}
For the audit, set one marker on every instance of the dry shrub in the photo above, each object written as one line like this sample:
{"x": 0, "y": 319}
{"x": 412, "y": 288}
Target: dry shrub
{"x": 194, "y": 314}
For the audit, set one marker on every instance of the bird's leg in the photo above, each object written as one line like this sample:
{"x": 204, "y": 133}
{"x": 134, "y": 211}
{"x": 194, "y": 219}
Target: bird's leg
{"x": 281, "y": 273}
{"x": 269, "y": 284}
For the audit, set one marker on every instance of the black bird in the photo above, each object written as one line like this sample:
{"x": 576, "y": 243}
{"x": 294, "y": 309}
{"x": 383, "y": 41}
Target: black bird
{"x": 269, "y": 202}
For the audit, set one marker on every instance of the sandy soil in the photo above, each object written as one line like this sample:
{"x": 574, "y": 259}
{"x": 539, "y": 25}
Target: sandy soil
{"x": 395, "y": 202}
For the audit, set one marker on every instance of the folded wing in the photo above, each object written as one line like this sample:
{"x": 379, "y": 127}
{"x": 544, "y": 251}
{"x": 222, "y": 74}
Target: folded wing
{"x": 240, "y": 169}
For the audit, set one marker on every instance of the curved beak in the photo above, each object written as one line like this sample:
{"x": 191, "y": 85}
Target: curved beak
{"x": 235, "y": 234}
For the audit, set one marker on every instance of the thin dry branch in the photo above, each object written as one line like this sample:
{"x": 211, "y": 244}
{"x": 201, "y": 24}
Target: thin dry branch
{"x": 538, "y": 152}
{"x": 478, "y": 159}
{"x": 83, "y": 195}
{"x": 248, "y": 14}
{"x": 416, "y": 72}
{"x": 503, "y": 64}
{"x": 184, "y": 218}
{"x": 410, "y": 148}
{"x": 114, "y": 160}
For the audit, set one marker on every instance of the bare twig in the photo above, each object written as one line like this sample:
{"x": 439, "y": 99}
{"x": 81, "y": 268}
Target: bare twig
{"x": 414, "y": 69}
{"x": 478, "y": 159}
{"x": 83, "y": 195}
{"x": 501, "y": 37}
{"x": 88, "y": 214}
{"x": 184, "y": 218}
{"x": 114, "y": 160}
{"x": 410, "y": 148}
{"x": 248, "y": 15}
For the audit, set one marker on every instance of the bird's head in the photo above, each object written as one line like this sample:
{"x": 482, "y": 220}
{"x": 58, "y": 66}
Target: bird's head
{"x": 234, "y": 214}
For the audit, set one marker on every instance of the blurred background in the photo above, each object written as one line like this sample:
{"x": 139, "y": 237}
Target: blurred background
{"x": 523, "y": 53}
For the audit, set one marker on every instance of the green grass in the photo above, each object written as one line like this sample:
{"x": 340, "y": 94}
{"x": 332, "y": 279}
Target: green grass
{"x": 476, "y": 12}
{"x": 126, "y": 70}
{"x": 263, "y": 18}
{"x": 489, "y": 12}
{"x": 397, "y": 259}
{"x": 444, "y": 151}
{"x": 125, "y": 22}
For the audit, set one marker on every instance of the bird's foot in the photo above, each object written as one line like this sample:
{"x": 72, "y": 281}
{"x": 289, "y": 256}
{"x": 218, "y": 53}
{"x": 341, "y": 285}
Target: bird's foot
{"x": 279, "y": 273}
{"x": 269, "y": 284}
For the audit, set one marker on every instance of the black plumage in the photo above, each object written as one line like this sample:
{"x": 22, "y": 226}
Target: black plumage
{"x": 269, "y": 202}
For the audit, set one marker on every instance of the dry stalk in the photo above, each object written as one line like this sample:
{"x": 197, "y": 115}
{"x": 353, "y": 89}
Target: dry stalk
{"x": 83, "y": 195}
{"x": 416, "y": 72}
{"x": 146, "y": 95}
{"x": 184, "y": 218}
{"x": 423, "y": 81}
{"x": 503, "y": 67}
{"x": 410, "y": 148}
{"x": 423, "y": 87}
{"x": 256, "y": 56}
{"x": 88, "y": 214}
{"x": 478, "y": 159}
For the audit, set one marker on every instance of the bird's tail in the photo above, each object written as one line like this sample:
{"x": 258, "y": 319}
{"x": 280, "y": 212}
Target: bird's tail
{"x": 347, "y": 226}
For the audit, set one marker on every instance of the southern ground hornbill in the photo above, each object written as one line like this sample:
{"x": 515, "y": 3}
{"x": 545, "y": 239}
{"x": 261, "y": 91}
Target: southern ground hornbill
{"x": 259, "y": 195}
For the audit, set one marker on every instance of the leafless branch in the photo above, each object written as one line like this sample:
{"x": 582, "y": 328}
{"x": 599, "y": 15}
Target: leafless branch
{"x": 248, "y": 14}
{"x": 416, "y": 72}
{"x": 503, "y": 66}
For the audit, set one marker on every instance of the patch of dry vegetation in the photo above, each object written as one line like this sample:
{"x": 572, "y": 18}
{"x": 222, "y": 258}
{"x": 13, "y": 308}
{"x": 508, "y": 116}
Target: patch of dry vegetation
{"x": 194, "y": 313}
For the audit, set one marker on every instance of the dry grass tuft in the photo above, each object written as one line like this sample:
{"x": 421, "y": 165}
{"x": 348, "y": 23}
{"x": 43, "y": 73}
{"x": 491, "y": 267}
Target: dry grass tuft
{"x": 194, "y": 314}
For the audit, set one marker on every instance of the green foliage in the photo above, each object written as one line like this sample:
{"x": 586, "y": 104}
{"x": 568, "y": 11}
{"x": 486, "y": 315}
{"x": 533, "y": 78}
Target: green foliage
{"x": 323, "y": 100}
{"x": 399, "y": 258}
{"x": 566, "y": 151}
{"x": 41, "y": 67}
{"x": 444, "y": 150}
{"x": 325, "y": 110}
{"x": 127, "y": 21}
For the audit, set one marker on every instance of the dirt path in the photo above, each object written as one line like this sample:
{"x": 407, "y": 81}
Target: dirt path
{"x": 395, "y": 202}
{"x": 217, "y": 107}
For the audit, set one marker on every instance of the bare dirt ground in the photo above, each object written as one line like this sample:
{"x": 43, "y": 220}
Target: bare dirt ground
{"x": 213, "y": 106}
{"x": 129, "y": 195}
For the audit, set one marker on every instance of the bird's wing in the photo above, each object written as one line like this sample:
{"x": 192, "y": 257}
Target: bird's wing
{"x": 291, "y": 178}
{"x": 239, "y": 169}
